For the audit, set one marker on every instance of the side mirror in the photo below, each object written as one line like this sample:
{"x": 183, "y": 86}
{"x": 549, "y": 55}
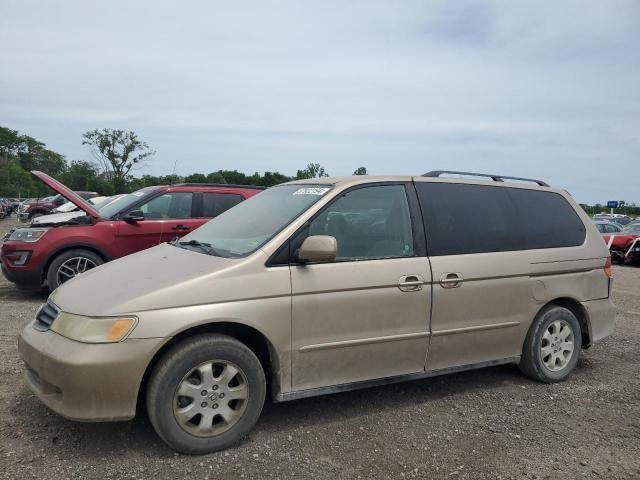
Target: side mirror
{"x": 134, "y": 216}
{"x": 318, "y": 249}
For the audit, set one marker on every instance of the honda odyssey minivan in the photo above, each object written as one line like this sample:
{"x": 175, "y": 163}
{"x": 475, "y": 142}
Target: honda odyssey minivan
{"x": 320, "y": 286}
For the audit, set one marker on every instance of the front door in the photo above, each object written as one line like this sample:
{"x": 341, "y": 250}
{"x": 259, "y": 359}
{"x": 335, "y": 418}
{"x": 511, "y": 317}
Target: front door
{"x": 365, "y": 316}
{"x": 166, "y": 217}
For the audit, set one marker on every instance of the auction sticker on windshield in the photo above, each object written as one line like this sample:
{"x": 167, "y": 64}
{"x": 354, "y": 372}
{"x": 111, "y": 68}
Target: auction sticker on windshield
{"x": 311, "y": 191}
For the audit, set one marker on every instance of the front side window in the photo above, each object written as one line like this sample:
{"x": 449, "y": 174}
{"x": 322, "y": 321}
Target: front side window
{"x": 368, "y": 223}
{"x": 168, "y": 205}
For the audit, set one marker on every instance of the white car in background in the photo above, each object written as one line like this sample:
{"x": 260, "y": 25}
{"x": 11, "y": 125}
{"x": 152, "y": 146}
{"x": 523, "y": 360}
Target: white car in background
{"x": 67, "y": 211}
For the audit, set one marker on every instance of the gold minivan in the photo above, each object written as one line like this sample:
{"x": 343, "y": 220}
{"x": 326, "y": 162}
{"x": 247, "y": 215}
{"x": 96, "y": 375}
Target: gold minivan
{"x": 321, "y": 286}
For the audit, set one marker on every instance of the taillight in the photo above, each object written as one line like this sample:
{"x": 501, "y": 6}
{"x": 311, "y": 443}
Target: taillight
{"x": 608, "y": 270}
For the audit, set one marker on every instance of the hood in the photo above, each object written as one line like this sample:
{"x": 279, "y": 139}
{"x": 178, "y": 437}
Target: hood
{"x": 67, "y": 193}
{"x": 56, "y": 218}
{"x": 158, "y": 278}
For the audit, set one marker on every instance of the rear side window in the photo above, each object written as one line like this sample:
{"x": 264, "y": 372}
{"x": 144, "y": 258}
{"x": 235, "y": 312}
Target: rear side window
{"x": 547, "y": 219}
{"x": 464, "y": 219}
{"x": 213, "y": 204}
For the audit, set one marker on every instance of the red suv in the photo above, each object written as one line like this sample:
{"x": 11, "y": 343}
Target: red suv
{"x": 53, "y": 253}
{"x": 44, "y": 206}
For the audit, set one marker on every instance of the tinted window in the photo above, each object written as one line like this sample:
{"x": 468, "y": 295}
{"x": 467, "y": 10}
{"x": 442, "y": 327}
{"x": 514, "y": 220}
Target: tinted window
{"x": 168, "y": 205}
{"x": 547, "y": 219}
{"x": 368, "y": 223}
{"x": 462, "y": 219}
{"x": 213, "y": 204}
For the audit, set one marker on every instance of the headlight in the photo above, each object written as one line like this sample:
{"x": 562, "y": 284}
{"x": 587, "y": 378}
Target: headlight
{"x": 27, "y": 234}
{"x": 93, "y": 329}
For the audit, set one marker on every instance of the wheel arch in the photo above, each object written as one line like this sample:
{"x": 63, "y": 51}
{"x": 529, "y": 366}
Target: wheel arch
{"x": 66, "y": 248}
{"x": 575, "y": 307}
{"x": 257, "y": 342}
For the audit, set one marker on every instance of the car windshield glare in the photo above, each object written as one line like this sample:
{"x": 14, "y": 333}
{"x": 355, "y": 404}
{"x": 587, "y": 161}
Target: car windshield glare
{"x": 246, "y": 227}
{"x": 633, "y": 228}
{"x": 121, "y": 202}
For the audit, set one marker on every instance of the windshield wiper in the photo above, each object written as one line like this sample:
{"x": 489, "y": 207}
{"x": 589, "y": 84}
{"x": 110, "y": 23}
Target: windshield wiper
{"x": 205, "y": 247}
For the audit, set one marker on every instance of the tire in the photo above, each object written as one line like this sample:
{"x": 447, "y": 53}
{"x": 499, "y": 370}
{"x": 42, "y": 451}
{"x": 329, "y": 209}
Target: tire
{"x": 168, "y": 379}
{"x": 87, "y": 257}
{"x": 544, "y": 333}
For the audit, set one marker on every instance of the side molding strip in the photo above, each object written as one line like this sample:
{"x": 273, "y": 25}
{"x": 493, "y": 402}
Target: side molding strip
{"x": 363, "y": 341}
{"x": 345, "y": 387}
{"x": 478, "y": 328}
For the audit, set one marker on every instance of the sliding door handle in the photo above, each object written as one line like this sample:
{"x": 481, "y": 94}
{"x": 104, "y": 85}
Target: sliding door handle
{"x": 451, "y": 280}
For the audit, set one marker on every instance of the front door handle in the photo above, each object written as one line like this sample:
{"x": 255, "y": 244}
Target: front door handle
{"x": 451, "y": 280}
{"x": 181, "y": 227}
{"x": 411, "y": 283}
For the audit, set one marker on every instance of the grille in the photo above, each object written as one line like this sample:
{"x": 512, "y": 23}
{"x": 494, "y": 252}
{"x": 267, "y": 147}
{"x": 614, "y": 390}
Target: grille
{"x": 45, "y": 316}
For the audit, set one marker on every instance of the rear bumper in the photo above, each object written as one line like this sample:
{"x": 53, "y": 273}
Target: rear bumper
{"x": 85, "y": 382}
{"x": 602, "y": 318}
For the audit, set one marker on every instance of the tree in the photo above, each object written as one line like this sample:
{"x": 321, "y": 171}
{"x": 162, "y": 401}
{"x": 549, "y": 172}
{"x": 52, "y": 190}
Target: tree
{"x": 117, "y": 151}
{"x": 10, "y": 143}
{"x": 360, "y": 171}
{"x": 313, "y": 170}
{"x": 86, "y": 176}
{"x": 34, "y": 156}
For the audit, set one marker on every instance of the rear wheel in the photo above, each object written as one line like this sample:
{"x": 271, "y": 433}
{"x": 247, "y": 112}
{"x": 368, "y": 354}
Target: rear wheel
{"x": 552, "y": 346}
{"x": 69, "y": 265}
{"x": 206, "y": 394}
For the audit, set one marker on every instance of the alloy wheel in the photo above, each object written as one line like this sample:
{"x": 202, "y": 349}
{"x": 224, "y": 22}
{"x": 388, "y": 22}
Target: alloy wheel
{"x": 557, "y": 346}
{"x": 73, "y": 267}
{"x": 211, "y": 398}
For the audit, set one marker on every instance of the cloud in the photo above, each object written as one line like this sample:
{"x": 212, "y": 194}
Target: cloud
{"x": 521, "y": 88}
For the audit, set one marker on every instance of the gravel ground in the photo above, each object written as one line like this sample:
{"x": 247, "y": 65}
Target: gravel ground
{"x": 492, "y": 423}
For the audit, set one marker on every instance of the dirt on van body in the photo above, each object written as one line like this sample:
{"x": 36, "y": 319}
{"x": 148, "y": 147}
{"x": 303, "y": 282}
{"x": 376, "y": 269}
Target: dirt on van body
{"x": 492, "y": 423}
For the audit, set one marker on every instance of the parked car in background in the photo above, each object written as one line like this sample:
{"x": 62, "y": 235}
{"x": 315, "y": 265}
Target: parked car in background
{"x": 34, "y": 208}
{"x": 72, "y": 207}
{"x": 616, "y": 218}
{"x": 607, "y": 227}
{"x": 15, "y": 203}
{"x": 6, "y": 207}
{"x": 53, "y": 252}
{"x": 321, "y": 286}
{"x": 625, "y": 245}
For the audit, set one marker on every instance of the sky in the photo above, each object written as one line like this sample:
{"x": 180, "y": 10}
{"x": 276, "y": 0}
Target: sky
{"x": 548, "y": 90}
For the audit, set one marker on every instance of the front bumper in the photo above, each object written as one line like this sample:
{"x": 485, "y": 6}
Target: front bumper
{"x": 23, "y": 278}
{"x": 85, "y": 382}
{"x": 602, "y": 318}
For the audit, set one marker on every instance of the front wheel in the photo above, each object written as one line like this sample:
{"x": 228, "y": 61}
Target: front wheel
{"x": 206, "y": 394}
{"x": 70, "y": 264}
{"x": 552, "y": 346}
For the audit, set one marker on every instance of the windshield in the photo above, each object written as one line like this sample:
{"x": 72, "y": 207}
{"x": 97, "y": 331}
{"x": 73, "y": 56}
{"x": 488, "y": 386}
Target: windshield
{"x": 244, "y": 228}
{"x": 121, "y": 202}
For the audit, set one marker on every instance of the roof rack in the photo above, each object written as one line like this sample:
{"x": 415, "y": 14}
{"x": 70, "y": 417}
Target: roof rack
{"x": 495, "y": 178}
{"x": 256, "y": 187}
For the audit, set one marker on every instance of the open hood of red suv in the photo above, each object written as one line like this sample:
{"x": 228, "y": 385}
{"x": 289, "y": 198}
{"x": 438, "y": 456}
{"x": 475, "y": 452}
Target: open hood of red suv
{"x": 66, "y": 192}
